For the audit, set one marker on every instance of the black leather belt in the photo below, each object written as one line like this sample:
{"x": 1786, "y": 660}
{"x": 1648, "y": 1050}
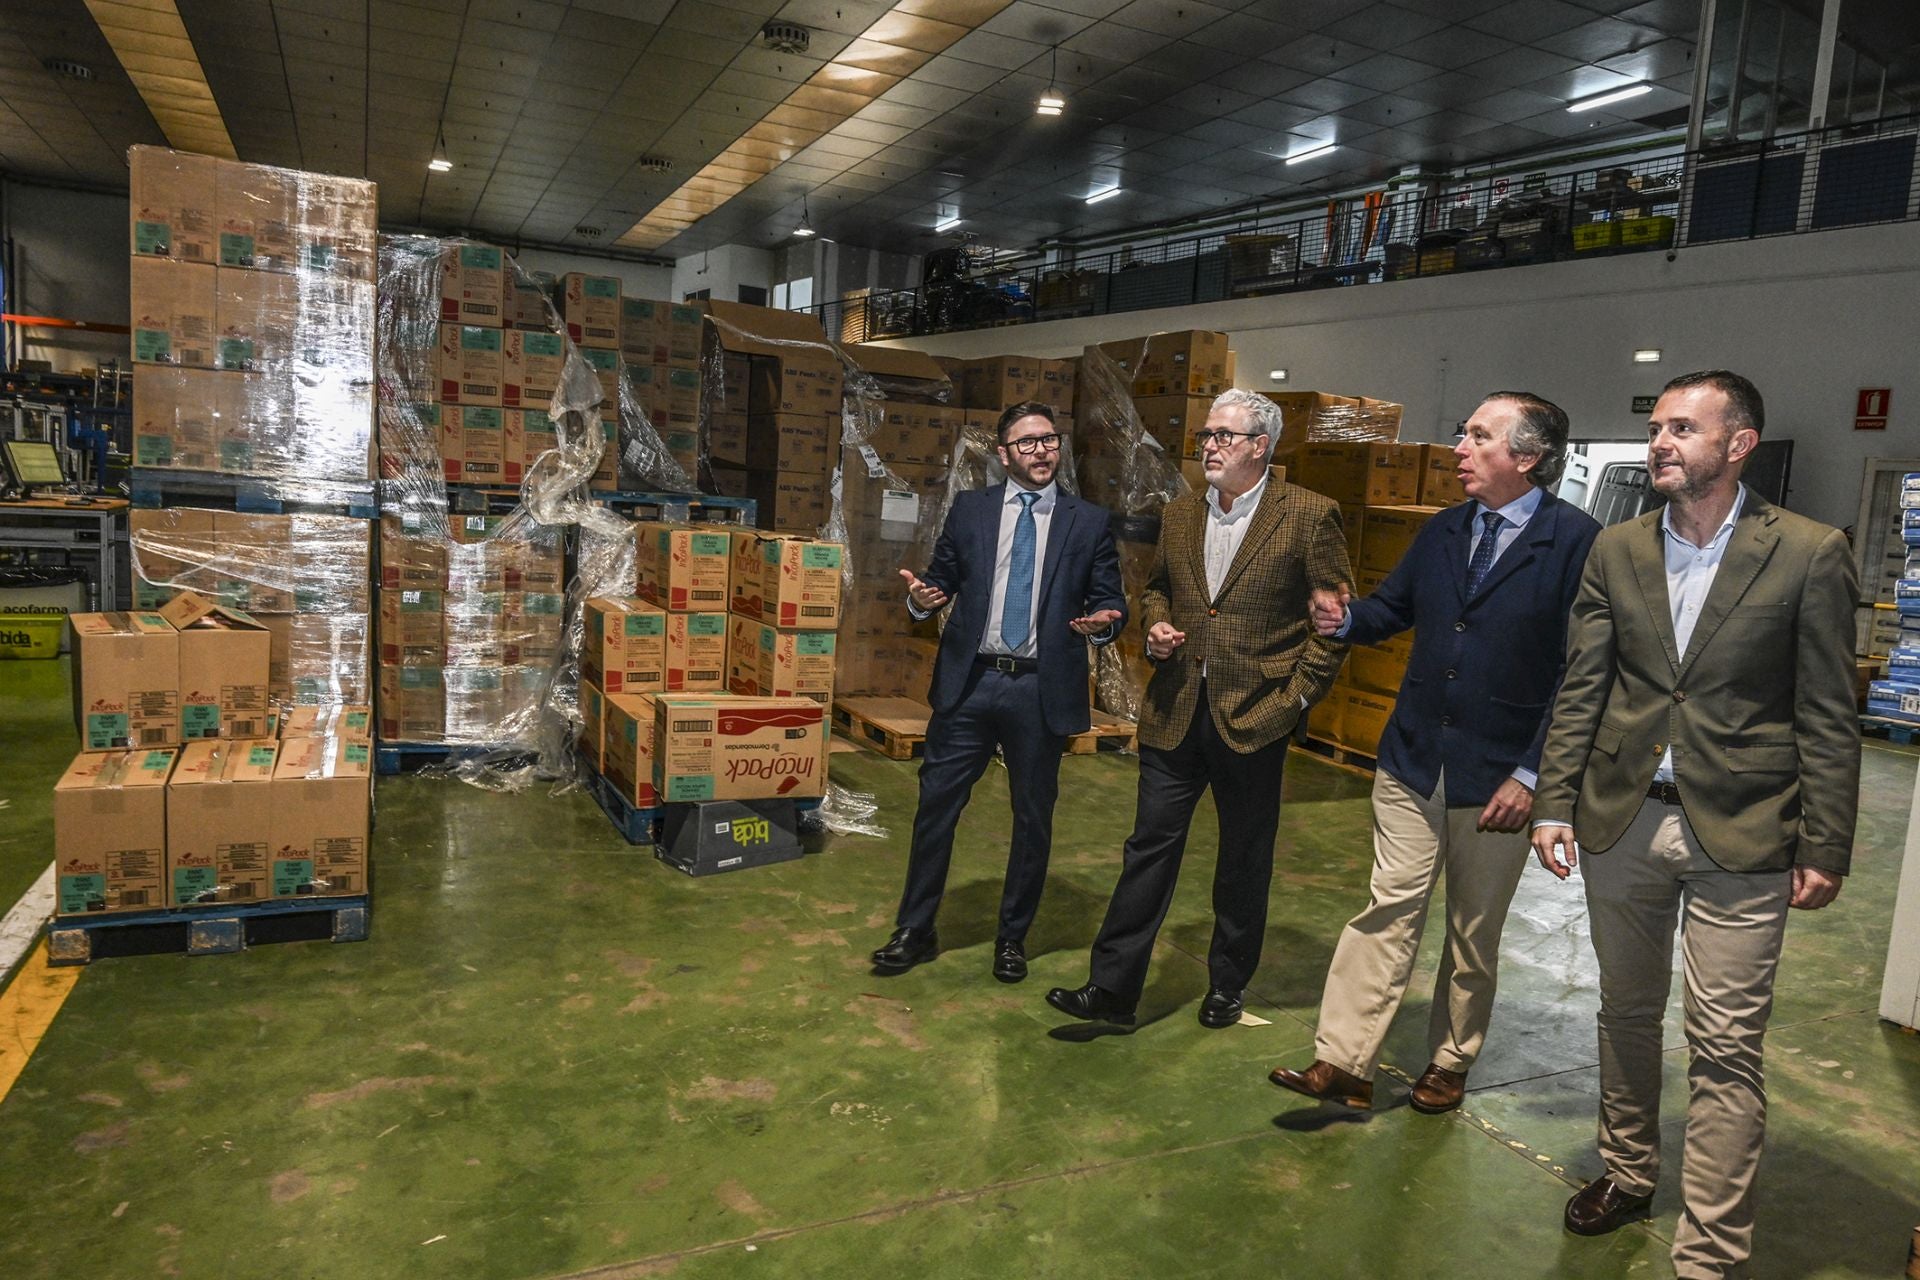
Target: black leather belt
{"x": 1664, "y": 792}
{"x": 1012, "y": 666}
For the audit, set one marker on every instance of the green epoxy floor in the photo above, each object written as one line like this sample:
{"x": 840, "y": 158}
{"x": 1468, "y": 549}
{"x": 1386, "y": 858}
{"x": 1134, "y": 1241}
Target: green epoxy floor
{"x": 557, "y": 1057}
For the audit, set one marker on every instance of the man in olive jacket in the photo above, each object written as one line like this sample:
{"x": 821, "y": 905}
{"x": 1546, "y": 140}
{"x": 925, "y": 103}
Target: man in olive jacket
{"x": 1237, "y": 663}
{"x": 1704, "y": 758}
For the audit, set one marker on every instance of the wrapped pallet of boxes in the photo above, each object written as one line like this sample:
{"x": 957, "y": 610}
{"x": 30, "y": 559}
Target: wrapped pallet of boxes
{"x": 774, "y": 413}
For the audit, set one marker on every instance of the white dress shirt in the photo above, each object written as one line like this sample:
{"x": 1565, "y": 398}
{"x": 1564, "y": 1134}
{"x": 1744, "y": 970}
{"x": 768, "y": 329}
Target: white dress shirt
{"x": 1690, "y": 574}
{"x": 1003, "y": 563}
{"x": 1226, "y": 530}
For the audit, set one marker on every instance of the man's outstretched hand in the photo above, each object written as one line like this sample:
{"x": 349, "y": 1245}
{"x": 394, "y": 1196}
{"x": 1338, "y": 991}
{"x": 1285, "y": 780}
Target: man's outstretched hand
{"x": 1094, "y": 623}
{"x": 924, "y": 595}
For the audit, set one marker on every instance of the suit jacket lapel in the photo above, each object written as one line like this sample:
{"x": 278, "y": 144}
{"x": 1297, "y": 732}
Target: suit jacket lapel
{"x": 989, "y": 531}
{"x": 1750, "y": 543}
{"x": 1197, "y": 540}
{"x": 1261, "y": 524}
{"x": 1647, "y": 552}
{"x": 1456, "y": 547}
{"x": 1058, "y": 530}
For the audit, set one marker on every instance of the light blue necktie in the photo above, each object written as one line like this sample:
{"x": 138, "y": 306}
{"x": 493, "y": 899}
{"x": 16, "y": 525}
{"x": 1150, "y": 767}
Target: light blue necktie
{"x": 1483, "y": 554}
{"x": 1017, "y": 610}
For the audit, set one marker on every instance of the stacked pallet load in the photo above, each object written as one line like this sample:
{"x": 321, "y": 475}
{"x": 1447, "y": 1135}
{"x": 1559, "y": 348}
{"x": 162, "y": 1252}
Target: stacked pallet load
{"x": 660, "y": 348}
{"x": 589, "y": 307}
{"x": 1171, "y": 380}
{"x": 773, "y": 412}
{"x": 1898, "y": 696}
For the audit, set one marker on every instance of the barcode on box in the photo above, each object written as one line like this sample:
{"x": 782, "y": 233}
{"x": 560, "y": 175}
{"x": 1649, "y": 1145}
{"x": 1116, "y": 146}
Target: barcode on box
{"x": 133, "y": 897}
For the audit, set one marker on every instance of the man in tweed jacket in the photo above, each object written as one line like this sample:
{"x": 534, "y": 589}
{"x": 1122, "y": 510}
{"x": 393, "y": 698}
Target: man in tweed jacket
{"x": 1237, "y": 663}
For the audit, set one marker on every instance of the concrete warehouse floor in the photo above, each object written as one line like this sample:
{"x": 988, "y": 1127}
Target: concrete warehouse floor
{"x": 555, "y": 1057}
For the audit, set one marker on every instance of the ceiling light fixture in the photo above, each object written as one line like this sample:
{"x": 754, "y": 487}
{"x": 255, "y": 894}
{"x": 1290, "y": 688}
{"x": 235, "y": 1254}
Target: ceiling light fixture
{"x": 1098, "y": 196}
{"x": 1052, "y": 102}
{"x": 440, "y": 163}
{"x": 1647, "y": 355}
{"x": 947, "y": 224}
{"x": 805, "y": 230}
{"x": 1609, "y": 98}
{"x": 1312, "y": 152}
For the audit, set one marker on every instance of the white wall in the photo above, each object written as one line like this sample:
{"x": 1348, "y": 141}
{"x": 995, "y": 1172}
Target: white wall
{"x": 637, "y": 280}
{"x": 1811, "y": 319}
{"x": 723, "y": 270}
{"x": 70, "y": 260}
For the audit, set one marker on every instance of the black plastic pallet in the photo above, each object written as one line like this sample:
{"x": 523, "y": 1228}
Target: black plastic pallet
{"x": 391, "y": 758}
{"x": 256, "y": 495}
{"x": 211, "y": 930}
{"x": 683, "y": 508}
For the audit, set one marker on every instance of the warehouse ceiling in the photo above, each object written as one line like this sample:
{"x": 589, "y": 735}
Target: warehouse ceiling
{"x": 896, "y": 117}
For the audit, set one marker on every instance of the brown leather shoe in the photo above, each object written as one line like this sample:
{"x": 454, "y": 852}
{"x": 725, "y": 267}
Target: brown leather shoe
{"x": 1327, "y": 1083}
{"x": 1600, "y": 1207}
{"x": 1437, "y": 1090}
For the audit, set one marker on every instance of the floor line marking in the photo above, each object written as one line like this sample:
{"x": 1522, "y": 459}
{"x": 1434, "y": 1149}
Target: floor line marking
{"x": 27, "y": 1009}
{"x": 21, "y": 925}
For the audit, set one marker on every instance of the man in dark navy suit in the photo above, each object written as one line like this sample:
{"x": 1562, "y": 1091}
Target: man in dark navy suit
{"x": 1487, "y": 587}
{"x": 1033, "y": 576}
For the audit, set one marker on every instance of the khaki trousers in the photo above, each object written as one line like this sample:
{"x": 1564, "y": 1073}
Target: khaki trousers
{"x": 1415, "y": 839}
{"x": 1731, "y": 925}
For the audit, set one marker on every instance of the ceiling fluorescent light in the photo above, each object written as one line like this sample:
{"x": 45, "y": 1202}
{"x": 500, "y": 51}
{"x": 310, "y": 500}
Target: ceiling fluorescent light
{"x": 1647, "y": 355}
{"x": 1052, "y": 102}
{"x": 440, "y": 164}
{"x": 805, "y": 230}
{"x": 947, "y": 224}
{"x": 1277, "y": 375}
{"x": 1311, "y": 152}
{"x": 1608, "y": 99}
{"x": 1098, "y": 196}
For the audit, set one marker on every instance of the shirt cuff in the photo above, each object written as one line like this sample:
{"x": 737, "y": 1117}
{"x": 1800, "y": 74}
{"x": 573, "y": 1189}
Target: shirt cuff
{"x": 1346, "y": 625}
{"x": 1527, "y": 778}
{"x": 919, "y": 614}
{"x": 1552, "y": 822}
{"x": 1106, "y": 636}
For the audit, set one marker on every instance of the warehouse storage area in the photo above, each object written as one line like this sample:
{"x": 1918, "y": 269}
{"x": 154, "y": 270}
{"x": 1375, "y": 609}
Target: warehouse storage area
{"x": 490, "y": 495}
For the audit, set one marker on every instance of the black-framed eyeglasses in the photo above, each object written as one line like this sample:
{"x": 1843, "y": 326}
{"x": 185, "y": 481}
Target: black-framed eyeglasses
{"x": 1223, "y": 439}
{"x": 1030, "y": 445}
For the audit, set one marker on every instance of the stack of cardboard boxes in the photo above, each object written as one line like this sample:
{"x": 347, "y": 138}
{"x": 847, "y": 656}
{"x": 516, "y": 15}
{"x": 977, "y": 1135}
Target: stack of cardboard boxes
{"x": 253, "y": 316}
{"x": 189, "y": 789}
{"x": 774, "y": 420}
{"x": 472, "y": 612}
{"x": 660, "y": 343}
{"x": 589, "y": 308}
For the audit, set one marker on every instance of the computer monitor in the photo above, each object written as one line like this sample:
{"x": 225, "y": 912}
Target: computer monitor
{"x": 34, "y": 462}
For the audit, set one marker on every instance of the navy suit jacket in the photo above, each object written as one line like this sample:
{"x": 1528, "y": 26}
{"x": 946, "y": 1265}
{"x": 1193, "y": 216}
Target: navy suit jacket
{"x": 1479, "y": 688}
{"x": 1079, "y": 575}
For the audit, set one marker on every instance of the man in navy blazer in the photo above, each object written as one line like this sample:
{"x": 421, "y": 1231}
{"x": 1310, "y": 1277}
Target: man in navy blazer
{"x": 1033, "y": 576}
{"x": 1487, "y": 587}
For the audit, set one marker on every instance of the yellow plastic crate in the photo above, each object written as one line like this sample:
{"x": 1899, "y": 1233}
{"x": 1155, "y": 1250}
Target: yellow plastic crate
{"x": 1647, "y": 230}
{"x": 31, "y": 632}
{"x": 1595, "y": 235}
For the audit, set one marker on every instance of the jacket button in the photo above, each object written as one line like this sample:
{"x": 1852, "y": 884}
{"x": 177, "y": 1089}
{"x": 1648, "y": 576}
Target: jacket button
{"x": 1459, "y": 626}
{"x": 1213, "y": 613}
{"x": 1450, "y": 675}
{"x": 1659, "y": 750}
{"x": 1446, "y": 720}
{"x": 1679, "y": 695}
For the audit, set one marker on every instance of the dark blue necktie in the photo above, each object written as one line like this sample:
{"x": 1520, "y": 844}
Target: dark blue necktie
{"x": 1483, "y": 554}
{"x": 1016, "y": 612}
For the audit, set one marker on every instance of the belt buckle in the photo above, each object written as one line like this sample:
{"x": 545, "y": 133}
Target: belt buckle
{"x": 1005, "y": 664}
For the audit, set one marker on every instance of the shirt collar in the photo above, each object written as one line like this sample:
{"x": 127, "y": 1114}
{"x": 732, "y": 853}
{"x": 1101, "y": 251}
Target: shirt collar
{"x": 1733, "y": 514}
{"x": 1047, "y": 494}
{"x": 1521, "y": 509}
{"x": 1243, "y": 504}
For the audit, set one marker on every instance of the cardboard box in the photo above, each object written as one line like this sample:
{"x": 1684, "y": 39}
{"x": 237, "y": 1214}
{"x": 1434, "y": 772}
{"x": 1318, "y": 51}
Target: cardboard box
{"x": 483, "y": 443}
{"x": 732, "y": 748}
{"x": 171, "y": 204}
{"x": 626, "y": 645}
{"x": 793, "y": 442}
{"x": 593, "y": 713}
{"x": 590, "y": 308}
{"x": 223, "y": 669}
{"x": 174, "y": 418}
{"x": 256, "y": 317}
{"x": 329, "y": 659}
{"x": 1390, "y": 532}
{"x": 413, "y": 551}
{"x": 472, "y": 285}
{"x": 174, "y": 313}
{"x": 526, "y": 434}
{"x": 412, "y": 628}
{"x": 252, "y": 569}
{"x": 1374, "y": 474}
{"x": 126, "y": 680}
{"x": 643, "y": 330}
{"x": 1190, "y": 362}
{"x": 607, "y": 367}
{"x": 1309, "y": 415}
{"x": 219, "y": 822}
{"x": 413, "y": 704}
{"x": 1439, "y": 480}
{"x": 321, "y": 796}
{"x": 685, "y": 324}
{"x": 110, "y": 832}
{"x": 531, "y": 368}
{"x": 790, "y": 581}
{"x": 696, "y": 652}
{"x": 327, "y": 722}
{"x": 1363, "y": 718}
{"x": 627, "y": 738}
{"x": 797, "y": 383}
{"x": 524, "y": 301}
{"x": 1375, "y": 670}
{"x": 472, "y": 365}
{"x": 796, "y": 501}
{"x": 1173, "y": 420}
{"x": 169, "y": 552}
{"x": 255, "y": 215}
{"x": 766, "y": 660}
{"x": 682, "y": 568}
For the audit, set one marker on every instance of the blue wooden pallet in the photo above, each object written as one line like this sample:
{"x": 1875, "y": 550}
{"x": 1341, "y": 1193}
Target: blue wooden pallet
{"x": 636, "y": 825}
{"x": 211, "y": 930}
{"x": 1891, "y": 727}
{"x": 165, "y": 487}
{"x": 685, "y": 508}
{"x": 461, "y": 499}
{"x": 390, "y": 758}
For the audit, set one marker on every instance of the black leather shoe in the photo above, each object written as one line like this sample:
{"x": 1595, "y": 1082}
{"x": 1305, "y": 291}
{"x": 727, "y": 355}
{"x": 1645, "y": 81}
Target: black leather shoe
{"x": 905, "y": 949}
{"x": 1222, "y": 1007}
{"x": 1600, "y": 1207}
{"x": 1091, "y": 1004}
{"x": 1009, "y": 960}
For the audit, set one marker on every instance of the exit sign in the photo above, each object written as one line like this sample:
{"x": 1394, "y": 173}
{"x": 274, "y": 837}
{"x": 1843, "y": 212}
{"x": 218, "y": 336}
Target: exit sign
{"x": 1870, "y": 408}
{"x": 1644, "y": 404}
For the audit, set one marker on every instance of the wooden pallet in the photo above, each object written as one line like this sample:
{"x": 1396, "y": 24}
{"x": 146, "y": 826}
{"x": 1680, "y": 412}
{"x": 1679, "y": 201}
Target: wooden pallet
{"x": 203, "y": 931}
{"x": 897, "y": 728}
{"x": 1337, "y": 753}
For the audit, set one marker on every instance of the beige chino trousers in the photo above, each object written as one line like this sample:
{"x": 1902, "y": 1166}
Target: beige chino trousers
{"x": 1415, "y": 841}
{"x": 1731, "y": 925}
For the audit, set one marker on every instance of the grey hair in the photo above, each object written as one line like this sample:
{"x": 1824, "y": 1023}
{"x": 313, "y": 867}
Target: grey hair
{"x": 1263, "y": 413}
{"x": 1540, "y": 432}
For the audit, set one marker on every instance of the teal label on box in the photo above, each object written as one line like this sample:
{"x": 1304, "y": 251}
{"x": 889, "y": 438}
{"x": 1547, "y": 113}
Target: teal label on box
{"x": 603, "y": 361}
{"x": 82, "y": 893}
{"x": 541, "y": 344}
{"x": 153, "y": 346}
{"x": 706, "y": 624}
{"x": 474, "y": 338}
{"x": 260, "y": 757}
{"x": 310, "y": 688}
{"x": 684, "y": 379}
{"x": 319, "y": 257}
{"x": 690, "y": 787}
{"x": 310, "y": 599}
{"x": 820, "y": 557}
{"x": 153, "y": 238}
{"x": 108, "y": 729}
{"x": 291, "y": 875}
{"x": 153, "y": 451}
{"x": 536, "y": 420}
{"x": 710, "y": 544}
{"x": 541, "y": 604}
{"x": 236, "y": 353}
{"x": 236, "y": 455}
{"x": 235, "y": 250}
{"x": 646, "y": 624}
{"x": 200, "y": 720}
{"x": 814, "y": 644}
{"x": 356, "y": 720}
{"x": 478, "y": 255}
{"x": 157, "y": 761}
{"x": 356, "y": 753}
{"x": 189, "y": 883}
{"x": 600, "y": 287}
{"x": 476, "y": 418}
